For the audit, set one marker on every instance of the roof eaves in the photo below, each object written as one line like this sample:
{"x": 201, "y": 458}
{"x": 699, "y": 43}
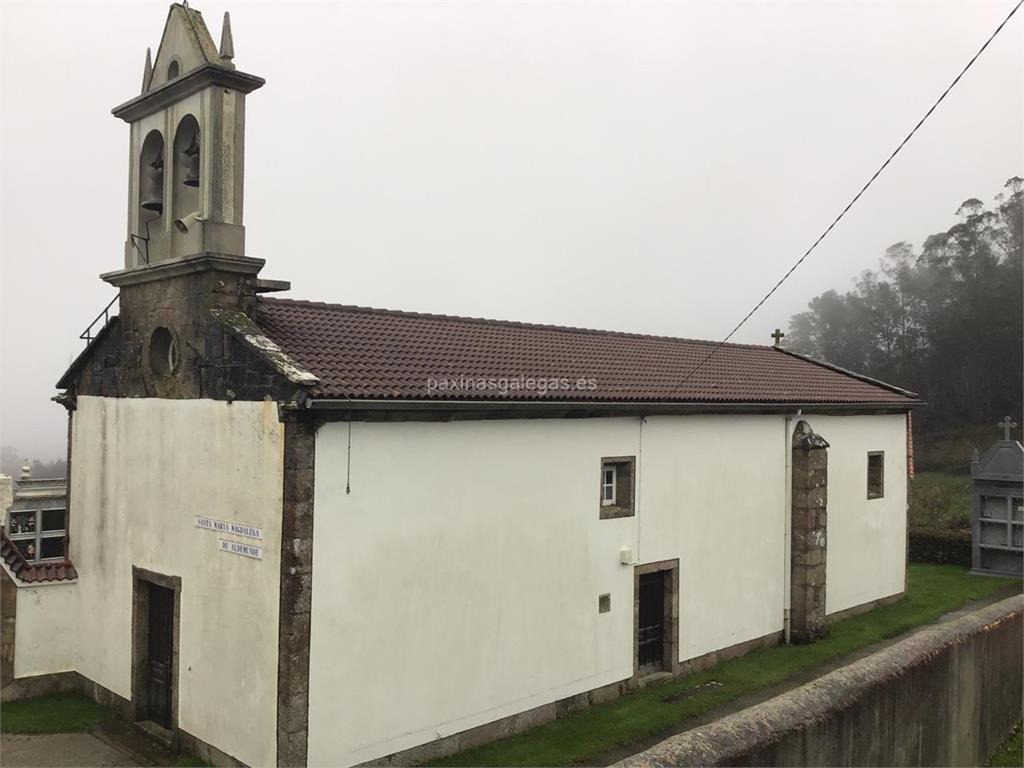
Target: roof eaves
{"x": 24, "y": 573}
{"x": 243, "y": 328}
{"x": 853, "y": 374}
{"x": 647, "y": 406}
{"x": 65, "y": 380}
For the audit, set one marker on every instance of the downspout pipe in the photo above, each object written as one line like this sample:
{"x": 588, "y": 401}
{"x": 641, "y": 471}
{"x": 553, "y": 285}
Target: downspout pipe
{"x": 787, "y": 517}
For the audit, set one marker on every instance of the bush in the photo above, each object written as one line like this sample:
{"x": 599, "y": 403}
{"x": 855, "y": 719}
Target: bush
{"x": 947, "y": 547}
{"x": 939, "y": 500}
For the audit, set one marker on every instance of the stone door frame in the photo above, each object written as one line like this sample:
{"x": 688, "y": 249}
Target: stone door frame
{"x": 141, "y": 579}
{"x": 670, "y": 651}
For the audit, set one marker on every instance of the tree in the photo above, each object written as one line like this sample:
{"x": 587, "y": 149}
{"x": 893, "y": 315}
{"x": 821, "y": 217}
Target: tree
{"x": 944, "y": 321}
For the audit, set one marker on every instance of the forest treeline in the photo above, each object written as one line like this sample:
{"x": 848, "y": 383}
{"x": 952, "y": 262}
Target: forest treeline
{"x": 944, "y": 321}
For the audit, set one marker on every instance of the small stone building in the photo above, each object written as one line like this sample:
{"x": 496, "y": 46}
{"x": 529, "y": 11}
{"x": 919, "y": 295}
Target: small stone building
{"x": 321, "y": 534}
{"x": 35, "y": 585}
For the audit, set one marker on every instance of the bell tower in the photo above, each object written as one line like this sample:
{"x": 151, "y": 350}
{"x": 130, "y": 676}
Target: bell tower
{"x": 185, "y": 264}
{"x": 186, "y": 151}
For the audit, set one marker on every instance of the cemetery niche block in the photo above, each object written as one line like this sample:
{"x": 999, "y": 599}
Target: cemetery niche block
{"x": 997, "y": 523}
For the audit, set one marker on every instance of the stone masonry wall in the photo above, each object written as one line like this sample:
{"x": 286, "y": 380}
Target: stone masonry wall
{"x": 8, "y": 616}
{"x": 296, "y": 593}
{"x": 808, "y": 540}
{"x": 213, "y": 362}
{"x": 947, "y": 695}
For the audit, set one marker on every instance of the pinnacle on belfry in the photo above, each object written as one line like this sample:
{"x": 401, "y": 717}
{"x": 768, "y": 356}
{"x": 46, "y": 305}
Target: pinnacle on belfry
{"x": 227, "y": 44}
{"x": 147, "y": 73}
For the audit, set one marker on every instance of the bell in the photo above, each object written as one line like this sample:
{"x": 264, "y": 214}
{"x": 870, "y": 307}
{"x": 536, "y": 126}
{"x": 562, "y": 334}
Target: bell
{"x": 192, "y": 153}
{"x": 154, "y": 201}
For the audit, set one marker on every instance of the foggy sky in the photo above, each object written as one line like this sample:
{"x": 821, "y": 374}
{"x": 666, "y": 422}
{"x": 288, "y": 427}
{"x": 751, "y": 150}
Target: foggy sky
{"x": 631, "y": 166}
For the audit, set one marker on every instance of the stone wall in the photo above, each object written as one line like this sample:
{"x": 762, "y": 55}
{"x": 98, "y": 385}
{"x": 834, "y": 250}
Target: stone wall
{"x": 296, "y": 593}
{"x": 809, "y": 540}
{"x": 213, "y": 362}
{"x": 8, "y": 617}
{"x": 947, "y": 695}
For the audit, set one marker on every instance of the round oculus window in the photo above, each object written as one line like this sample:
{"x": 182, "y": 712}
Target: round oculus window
{"x": 163, "y": 352}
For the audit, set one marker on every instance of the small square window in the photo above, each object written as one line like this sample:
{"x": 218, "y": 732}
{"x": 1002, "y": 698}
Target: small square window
{"x": 22, "y": 522}
{"x": 53, "y": 520}
{"x": 27, "y": 547}
{"x": 617, "y": 483}
{"x": 604, "y": 603}
{"x": 51, "y": 548}
{"x": 876, "y": 474}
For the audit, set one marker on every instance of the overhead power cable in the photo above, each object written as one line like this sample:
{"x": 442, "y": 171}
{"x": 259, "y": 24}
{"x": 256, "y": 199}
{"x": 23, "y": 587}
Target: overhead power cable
{"x": 856, "y": 197}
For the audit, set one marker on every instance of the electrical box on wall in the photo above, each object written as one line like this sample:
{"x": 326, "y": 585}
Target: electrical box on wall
{"x": 626, "y": 556}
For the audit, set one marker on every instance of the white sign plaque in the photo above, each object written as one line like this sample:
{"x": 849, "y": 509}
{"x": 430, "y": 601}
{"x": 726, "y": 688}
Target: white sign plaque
{"x": 226, "y": 526}
{"x": 240, "y": 548}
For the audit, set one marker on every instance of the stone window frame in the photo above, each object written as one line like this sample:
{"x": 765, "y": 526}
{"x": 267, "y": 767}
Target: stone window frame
{"x": 141, "y": 579}
{"x": 670, "y": 641}
{"x": 163, "y": 352}
{"x": 625, "y": 488}
{"x": 876, "y": 490}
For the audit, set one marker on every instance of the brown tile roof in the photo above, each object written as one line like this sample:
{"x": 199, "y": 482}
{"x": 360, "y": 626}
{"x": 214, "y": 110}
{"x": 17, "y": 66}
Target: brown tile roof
{"x": 33, "y": 573}
{"x": 361, "y": 354}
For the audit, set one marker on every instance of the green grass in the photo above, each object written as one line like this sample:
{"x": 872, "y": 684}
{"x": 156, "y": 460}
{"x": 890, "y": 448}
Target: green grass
{"x": 68, "y": 712}
{"x": 932, "y": 591}
{"x": 188, "y": 761}
{"x": 1011, "y": 752}
{"x": 57, "y": 713}
{"x": 940, "y": 500}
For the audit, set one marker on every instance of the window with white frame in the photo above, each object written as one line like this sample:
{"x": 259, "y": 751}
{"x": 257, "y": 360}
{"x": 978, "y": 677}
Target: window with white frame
{"x": 39, "y": 534}
{"x": 617, "y": 486}
{"x": 607, "y": 485}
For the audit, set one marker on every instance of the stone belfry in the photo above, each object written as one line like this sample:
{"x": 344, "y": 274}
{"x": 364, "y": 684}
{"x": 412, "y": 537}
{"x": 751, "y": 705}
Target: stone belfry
{"x": 187, "y": 147}
{"x": 185, "y": 267}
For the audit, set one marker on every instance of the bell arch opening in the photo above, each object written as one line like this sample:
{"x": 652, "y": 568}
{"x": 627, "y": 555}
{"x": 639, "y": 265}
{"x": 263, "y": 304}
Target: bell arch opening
{"x": 151, "y": 182}
{"x": 186, "y": 168}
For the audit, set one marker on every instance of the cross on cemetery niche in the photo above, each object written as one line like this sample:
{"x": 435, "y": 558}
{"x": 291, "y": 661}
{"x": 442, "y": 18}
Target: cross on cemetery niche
{"x": 779, "y": 336}
{"x": 1006, "y": 425}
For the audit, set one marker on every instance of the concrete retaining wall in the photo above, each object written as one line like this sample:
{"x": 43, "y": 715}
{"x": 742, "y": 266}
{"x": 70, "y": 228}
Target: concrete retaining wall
{"x": 947, "y": 695}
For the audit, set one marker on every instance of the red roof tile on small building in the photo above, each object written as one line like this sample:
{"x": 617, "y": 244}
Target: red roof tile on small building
{"x": 371, "y": 354}
{"x": 31, "y": 573}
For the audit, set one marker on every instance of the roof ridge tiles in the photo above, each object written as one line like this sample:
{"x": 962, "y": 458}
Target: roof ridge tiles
{"x": 504, "y": 323}
{"x": 365, "y": 353}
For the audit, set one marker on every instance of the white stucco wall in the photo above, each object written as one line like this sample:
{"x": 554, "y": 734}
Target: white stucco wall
{"x": 142, "y": 469}
{"x": 45, "y": 629}
{"x": 714, "y": 495}
{"x": 867, "y": 538}
{"x": 458, "y": 582}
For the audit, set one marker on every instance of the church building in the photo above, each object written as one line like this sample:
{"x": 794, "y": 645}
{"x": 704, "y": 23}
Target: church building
{"x": 300, "y": 533}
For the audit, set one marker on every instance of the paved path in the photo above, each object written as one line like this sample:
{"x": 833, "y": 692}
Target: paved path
{"x": 81, "y": 750}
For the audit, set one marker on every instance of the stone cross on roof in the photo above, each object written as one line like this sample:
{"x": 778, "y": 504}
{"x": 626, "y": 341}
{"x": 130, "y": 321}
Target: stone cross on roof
{"x": 779, "y": 336}
{"x": 1006, "y": 425}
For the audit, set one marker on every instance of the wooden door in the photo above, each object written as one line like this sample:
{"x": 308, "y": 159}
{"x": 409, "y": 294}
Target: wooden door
{"x": 651, "y": 622}
{"x": 160, "y": 671}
